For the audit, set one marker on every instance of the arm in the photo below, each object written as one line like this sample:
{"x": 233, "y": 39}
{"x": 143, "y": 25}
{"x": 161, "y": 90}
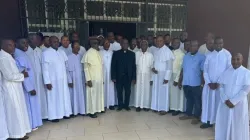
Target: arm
{"x": 133, "y": 67}
{"x": 202, "y": 69}
{"x": 45, "y": 70}
{"x": 113, "y": 66}
{"x": 223, "y": 96}
{"x": 241, "y": 95}
{"x": 8, "y": 73}
{"x": 179, "y": 70}
{"x": 68, "y": 73}
{"x": 169, "y": 70}
{"x": 205, "y": 72}
{"x": 86, "y": 68}
{"x": 151, "y": 66}
{"x": 28, "y": 81}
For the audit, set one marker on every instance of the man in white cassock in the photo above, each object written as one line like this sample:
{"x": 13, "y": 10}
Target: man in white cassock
{"x": 144, "y": 65}
{"x": 67, "y": 47}
{"x": 29, "y": 84}
{"x": 176, "y": 94}
{"x": 163, "y": 66}
{"x": 4, "y": 134}
{"x": 109, "y": 88}
{"x": 93, "y": 69}
{"x": 46, "y": 43}
{"x": 76, "y": 80}
{"x": 54, "y": 63}
{"x": 114, "y": 46}
{"x": 35, "y": 55}
{"x": 17, "y": 118}
{"x": 215, "y": 64}
{"x": 232, "y": 121}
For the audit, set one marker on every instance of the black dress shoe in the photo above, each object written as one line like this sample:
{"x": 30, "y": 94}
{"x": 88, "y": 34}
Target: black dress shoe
{"x": 119, "y": 108}
{"x": 55, "y": 121}
{"x": 205, "y": 125}
{"x": 138, "y": 109}
{"x": 127, "y": 108}
{"x": 103, "y": 111}
{"x": 66, "y": 118}
{"x": 93, "y": 116}
{"x": 175, "y": 113}
{"x": 146, "y": 109}
{"x": 112, "y": 108}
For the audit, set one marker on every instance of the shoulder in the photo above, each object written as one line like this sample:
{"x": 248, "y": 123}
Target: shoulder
{"x": 201, "y": 56}
{"x": 227, "y": 52}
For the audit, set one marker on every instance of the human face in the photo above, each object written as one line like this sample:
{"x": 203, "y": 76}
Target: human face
{"x": 23, "y": 45}
{"x": 65, "y": 42}
{"x": 111, "y": 37}
{"x": 46, "y": 42}
{"x": 194, "y": 47}
{"x": 187, "y": 45}
{"x": 218, "y": 44}
{"x": 144, "y": 46}
{"x": 8, "y": 46}
{"x": 138, "y": 40}
{"x": 106, "y": 45}
{"x": 167, "y": 40}
{"x": 176, "y": 44}
{"x": 150, "y": 40}
{"x": 76, "y": 48}
{"x": 119, "y": 39}
{"x": 183, "y": 36}
{"x": 34, "y": 41}
{"x": 160, "y": 42}
{"x": 54, "y": 41}
{"x": 210, "y": 44}
{"x": 94, "y": 44}
{"x": 237, "y": 61}
{"x": 75, "y": 37}
{"x": 125, "y": 44}
{"x": 133, "y": 44}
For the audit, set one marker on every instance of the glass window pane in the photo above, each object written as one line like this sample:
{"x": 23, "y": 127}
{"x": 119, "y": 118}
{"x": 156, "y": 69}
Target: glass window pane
{"x": 94, "y": 8}
{"x": 179, "y": 17}
{"x": 36, "y": 11}
{"x": 113, "y": 9}
{"x": 163, "y": 16}
{"x": 131, "y": 10}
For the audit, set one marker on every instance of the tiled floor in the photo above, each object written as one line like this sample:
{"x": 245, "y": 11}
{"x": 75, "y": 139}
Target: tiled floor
{"x": 122, "y": 126}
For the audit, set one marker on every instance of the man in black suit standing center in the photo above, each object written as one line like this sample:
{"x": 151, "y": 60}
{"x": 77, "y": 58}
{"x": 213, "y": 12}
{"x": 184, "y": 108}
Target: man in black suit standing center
{"x": 123, "y": 73}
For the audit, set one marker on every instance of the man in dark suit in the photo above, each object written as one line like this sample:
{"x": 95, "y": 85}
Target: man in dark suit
{"x": 123, "y": 72}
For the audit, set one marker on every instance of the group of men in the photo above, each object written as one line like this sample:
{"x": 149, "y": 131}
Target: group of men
{"x": 44, "y": 79}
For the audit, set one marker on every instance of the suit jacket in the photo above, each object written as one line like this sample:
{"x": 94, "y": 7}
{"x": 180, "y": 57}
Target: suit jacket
{"x": 117, "y": 65}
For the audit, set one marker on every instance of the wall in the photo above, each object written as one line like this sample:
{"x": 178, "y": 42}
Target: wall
{"x": 229, "y": 19}
{"x": 9, "y": 19}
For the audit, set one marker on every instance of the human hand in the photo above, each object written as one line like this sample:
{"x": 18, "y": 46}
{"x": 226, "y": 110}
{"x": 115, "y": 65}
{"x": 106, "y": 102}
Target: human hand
{"x": 89, "y": 83}
{"x": 49, "y": 86}
{"x": 165, "y": 81}
{"x": 25, "y": 74}
{"x": 70, "y": 85}
{"x": 229, "y": 104}
{"x": 175, "y": 84}
{"x": 154, "y": 71}
{"x": 151, "y": 83}
{"x": 32, "y": 92}
{"x": 114, "y": 80}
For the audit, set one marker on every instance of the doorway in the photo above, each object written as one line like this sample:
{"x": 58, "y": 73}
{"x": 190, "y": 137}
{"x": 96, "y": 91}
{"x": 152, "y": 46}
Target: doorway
{"x": 127, "y": 30}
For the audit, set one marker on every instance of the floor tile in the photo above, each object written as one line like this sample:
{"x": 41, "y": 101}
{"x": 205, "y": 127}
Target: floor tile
{"x": 66, "y": 133}
{"x": 97, "y": 137}
{"x": 132, "y": 127}
{"x": 100, "y": 130}
{"x": 121, "y": 136}
{"x": 153, "y": 133}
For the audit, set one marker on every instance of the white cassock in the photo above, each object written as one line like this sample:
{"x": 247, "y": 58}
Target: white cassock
{"x": 132, "y": 94}
{"x": 215, "y": 65}
{"x": 177, "y": 98}
{"x": 163, "y": 63}
{"x": 77, "y": 77}
{"x": 14, "y": 102}
{"x": 68, "y": 50}
{"x": 94, "y": 72}
{"x": 35, "y": 56}
{"x": 152, "y": 49}
{"x": 233, "y": 123}
{"x": 115, "y": 46}
{"x": 4, "y": 130}
{"x": 182, "y": 47}
{"x": 109, "y": 88}
{"x": 144, "y": 65}
{"x": 54, "y": 64}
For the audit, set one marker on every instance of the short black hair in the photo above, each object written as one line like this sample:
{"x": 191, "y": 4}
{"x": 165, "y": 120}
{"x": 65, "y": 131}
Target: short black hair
{"x": 73, "y": 43}
{"x": 167, "y": 35}
{"x": 2, "y": 40}
{"x": 40, "y": 35}
{"x": 218, "y": 37}
{"x": 19, "y": 38}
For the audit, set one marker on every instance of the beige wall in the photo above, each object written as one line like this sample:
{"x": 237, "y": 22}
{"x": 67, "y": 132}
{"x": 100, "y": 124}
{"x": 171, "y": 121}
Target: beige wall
{"x": 227, "y": 18}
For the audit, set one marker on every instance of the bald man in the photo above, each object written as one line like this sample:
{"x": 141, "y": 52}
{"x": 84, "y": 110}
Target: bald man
{"x": 232, "y": 115}
{"x": 54, "y": 62}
